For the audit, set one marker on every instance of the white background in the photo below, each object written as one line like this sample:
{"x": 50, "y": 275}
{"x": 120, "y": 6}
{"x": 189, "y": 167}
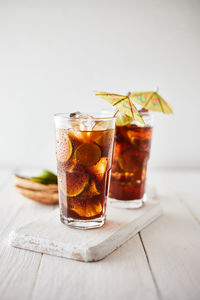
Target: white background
{"x": 54, "y": 54}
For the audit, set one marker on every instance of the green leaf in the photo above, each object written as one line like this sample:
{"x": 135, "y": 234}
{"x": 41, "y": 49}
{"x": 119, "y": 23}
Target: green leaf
{"x": 46, "y": 177}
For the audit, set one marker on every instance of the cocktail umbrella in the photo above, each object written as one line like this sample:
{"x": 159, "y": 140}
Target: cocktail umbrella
{"x": 123, "y": 104}
{"x": 152, "y": 101}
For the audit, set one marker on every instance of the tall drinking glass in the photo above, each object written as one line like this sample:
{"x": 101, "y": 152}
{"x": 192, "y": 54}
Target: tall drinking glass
{"x": 84, "y": 147}
{"x": 130, "y": 159}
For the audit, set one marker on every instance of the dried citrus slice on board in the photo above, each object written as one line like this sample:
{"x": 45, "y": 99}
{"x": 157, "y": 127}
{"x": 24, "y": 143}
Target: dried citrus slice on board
{"x": 64, "y": 146}
{"x": 39, "y": 196}
{"x": 88, "y": 154}
{"x": 128, "y": 161}
{"x": 74, "y": 184}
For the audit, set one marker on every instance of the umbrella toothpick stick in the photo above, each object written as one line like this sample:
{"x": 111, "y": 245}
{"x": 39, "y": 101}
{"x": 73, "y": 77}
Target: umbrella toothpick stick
{"x": 126, "y": 97}
{"x": 116, "y": 113}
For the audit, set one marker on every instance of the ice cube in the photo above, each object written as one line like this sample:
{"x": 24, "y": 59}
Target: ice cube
{"x": 82, "y": 122}
{"x": 85, "y": 207}
{"x": 86, "y": 122}
{"x": 100, "y": 167}
{"x": 73, "y": 120}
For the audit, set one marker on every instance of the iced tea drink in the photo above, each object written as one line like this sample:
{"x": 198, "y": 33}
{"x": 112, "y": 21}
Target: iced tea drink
{"x": 84, "y": 147}
{"x": 130, "y": 158}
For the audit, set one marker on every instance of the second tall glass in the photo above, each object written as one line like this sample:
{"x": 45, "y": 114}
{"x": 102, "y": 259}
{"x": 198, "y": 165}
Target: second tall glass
{"x": 131, "y": 155}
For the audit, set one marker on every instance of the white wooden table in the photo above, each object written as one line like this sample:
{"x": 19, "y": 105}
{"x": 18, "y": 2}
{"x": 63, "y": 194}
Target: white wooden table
{"x": 161, "y": 262}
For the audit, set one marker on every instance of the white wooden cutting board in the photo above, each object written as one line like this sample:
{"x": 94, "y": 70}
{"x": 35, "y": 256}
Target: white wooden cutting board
{"x": 48, "y": 235}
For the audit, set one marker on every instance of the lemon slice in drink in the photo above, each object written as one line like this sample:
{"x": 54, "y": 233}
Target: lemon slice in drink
{"x": 77, "y": 183}
{"x": 74, "y": 184}
{"x": 103, "y": 125}
{"x": 123, "y": 119}
{"x": 88, "y": 154}
{"x": 128, "y": 161}
{"x": 90, "y": 192}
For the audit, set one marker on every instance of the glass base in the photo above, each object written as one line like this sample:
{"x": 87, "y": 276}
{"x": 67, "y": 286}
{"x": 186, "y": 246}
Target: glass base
{"x": 83, "y": 224}
{"x": 128, "y": 203}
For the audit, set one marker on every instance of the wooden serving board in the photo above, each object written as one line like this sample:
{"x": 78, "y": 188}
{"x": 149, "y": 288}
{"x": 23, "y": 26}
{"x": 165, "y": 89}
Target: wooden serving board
{"x": 48, "y": 235}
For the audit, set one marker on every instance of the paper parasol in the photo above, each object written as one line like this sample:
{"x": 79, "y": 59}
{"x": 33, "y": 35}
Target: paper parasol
{"x": 152, "y": 101}
{"x": 123, "y": 104}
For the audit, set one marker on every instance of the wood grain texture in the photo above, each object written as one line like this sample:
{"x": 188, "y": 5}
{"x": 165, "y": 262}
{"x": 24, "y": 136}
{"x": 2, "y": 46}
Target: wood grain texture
{"x": 172, "y": 245}
{"x": 5, "y": 174}
{"x": 34, "y": 276}
{"x": 187, "y": 189}
{"x": 124, "y": 274}
{"x": 48, "y": 235}
{"x": 18, "y": 268}
{"x": 163, "y": 264}
{"x": 18, "y": 273}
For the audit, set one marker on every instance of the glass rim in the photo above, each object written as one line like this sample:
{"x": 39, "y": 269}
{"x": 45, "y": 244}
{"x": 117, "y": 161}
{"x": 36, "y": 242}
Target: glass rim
{"x": 96, "y": 116}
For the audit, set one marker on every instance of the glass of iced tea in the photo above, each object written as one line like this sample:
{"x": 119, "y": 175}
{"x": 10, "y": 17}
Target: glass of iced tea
{"x": 130, "y": 158}
{"x": 84, "y": 148}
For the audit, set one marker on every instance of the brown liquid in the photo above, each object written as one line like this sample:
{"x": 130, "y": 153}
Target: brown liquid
{"x": 131, "y": 154}
{"x": 84, "y": 177}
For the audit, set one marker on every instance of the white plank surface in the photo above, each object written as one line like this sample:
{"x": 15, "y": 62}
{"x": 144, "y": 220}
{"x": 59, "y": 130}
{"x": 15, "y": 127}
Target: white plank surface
{"x": 18, "y": 273}
{"x": 124, "y": 274}
{"x": 163, "y": 264}
{"x": 5, "y": 174}
{"x": 187, "y": 188}
{"x": 48, "y": 235}
{"x": 172, "y": 244}
{"x": 18, "y": 268}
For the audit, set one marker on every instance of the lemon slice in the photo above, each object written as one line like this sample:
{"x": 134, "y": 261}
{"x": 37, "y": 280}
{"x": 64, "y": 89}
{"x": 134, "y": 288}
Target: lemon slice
{"x": 88, "y": 154}
{"x": 123, "y": 119}
{"x": 91, "y": 191}
{"x": 74, "y": 184}
{"x": 128, "y": 161}
{"x": 103, "y": 125}
{"x": 46, "y": 177}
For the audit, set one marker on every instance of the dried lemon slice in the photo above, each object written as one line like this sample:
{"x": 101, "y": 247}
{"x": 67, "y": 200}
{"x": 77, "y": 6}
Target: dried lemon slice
{"x": 88, "y": 154}
{"x": 64, "y": 146}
